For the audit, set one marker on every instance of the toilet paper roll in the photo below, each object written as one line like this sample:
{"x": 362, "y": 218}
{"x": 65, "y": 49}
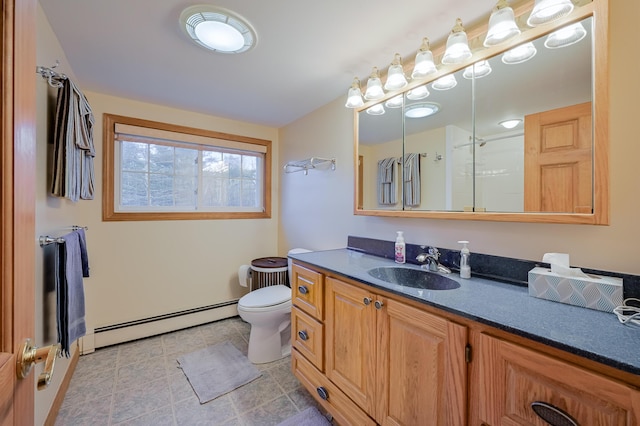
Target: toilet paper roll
{"x": 243, "y": 275}
{"x": 560, "y": 265}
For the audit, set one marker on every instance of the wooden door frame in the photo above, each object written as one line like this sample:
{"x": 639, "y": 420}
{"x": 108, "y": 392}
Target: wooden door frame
{"x": 17, "y": 194}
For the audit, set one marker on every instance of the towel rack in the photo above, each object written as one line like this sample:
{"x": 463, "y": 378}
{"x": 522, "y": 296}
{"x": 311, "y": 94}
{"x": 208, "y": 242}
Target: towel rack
{"x": 422, "y": 154}
{"x": 307, "y": 164}
{"x": 45, "y": 240}
{"x": 55, "y": 79}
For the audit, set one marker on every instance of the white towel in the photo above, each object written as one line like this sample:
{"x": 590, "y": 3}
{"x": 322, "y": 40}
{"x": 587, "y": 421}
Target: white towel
{"x": 73, "y": 152}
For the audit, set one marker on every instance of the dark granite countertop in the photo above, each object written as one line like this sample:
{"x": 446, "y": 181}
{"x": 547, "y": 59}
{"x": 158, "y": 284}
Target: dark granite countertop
{"x": 595, "y": 335}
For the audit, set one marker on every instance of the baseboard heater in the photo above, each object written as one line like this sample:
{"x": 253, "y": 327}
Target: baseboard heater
{"x": 146, "y": 327}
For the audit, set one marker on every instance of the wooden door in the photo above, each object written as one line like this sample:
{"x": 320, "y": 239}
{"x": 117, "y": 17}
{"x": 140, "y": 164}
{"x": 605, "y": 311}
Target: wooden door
{"x": 559, "y": 160}
{"x": 513, "y": 377}
{"x": 350, "y": 346}
{"x": 423, "y": 368}
{"x": 17, "y": 206}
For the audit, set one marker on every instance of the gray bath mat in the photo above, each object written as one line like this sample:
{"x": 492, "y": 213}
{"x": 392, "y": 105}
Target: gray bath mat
{"x": 309, "y": 417}
{"x": 217, "y": 370}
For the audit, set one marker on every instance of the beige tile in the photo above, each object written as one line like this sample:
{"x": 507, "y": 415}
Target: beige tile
{"x": 139, "y": 383}
{"x": 160, "y": 417}
{"x": 135, "y": 402}
{"x": 270, "y": 414}
{"x": 131, "y": 375}
{"x": 191, "y": 413}
{"x": 257, "y": 392}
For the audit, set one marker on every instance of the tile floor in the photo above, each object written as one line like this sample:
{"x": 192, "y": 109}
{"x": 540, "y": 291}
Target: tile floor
{"x": 139, "y": 383}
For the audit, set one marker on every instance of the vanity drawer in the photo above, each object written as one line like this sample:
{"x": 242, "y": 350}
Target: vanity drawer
{"x": 344, "y": 411}
{"x": 307, "y": 290}
{"x": 520, "y": 385}
{"x": 307, "y": 337}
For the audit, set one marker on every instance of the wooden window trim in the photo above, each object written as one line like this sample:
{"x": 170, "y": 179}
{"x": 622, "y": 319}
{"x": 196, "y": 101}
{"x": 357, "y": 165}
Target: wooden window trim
{"x": 108, "y": 165}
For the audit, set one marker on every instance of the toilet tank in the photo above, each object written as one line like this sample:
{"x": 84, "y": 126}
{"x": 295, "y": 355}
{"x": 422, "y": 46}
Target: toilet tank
{"x": 295, "y": 251}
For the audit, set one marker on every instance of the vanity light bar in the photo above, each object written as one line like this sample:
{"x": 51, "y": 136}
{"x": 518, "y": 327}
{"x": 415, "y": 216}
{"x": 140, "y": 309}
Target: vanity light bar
{"x": 502, "y": 27}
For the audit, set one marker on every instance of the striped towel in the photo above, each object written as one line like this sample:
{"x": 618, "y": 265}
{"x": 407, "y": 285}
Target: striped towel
{"x": 387, "y": 181}
{"x": 411, "y": 178}
{"x": 73, "y": 150}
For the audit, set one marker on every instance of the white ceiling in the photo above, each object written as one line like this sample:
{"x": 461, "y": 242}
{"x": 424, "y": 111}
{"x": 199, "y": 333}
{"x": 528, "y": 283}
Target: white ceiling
{"x": 307, "y": 53}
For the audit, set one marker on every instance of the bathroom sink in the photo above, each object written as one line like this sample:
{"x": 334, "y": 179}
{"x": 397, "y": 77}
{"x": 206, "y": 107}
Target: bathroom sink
{"x": 416, "y": 278}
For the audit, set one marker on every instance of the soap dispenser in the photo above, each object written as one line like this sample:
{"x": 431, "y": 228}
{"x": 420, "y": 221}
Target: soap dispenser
{"x": 400, "y": 248}
{"x": 465, "y": 269}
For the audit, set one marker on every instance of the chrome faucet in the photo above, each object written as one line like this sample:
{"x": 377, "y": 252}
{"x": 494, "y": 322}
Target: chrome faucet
{"x": 432, "y": 259}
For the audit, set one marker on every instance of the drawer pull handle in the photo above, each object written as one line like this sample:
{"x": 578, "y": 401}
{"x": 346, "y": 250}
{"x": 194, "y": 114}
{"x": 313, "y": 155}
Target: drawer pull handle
{"x": 552, "y": 415}
{"x": 366, "y": 301}
{"x": 323, "y": 393}
{"x": 303, "y": 289}
{"x": 378, "y": 304}
{"x": 303, "y": 335}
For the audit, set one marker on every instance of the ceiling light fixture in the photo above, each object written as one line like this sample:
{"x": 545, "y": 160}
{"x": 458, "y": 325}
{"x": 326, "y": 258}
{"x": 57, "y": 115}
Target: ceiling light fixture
{"x": 395, "y": 76}
{"x": 424, "y": 64}
{"x": 445, "y": 83}
{"x": 519, "y": 54}
{"x": 422, "y": 109}
{"x": 566, "y": 36}
{"x": 478, "y": 70}
{"x": 218, "y": 29}
{"x": 354, "y": 96}
{"x": 374, "y": 86}
{"x": 510, "y": 124}
{"x": 502, "y": 25}
{"x": 457, "y": 45}
{"x": 549, "y": 10}
{"x": 377, "y": 109}
{"x": 417, "y": 93}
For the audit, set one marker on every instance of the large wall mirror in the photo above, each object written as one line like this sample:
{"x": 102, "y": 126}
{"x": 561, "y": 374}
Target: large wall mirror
{"x": 444, "y": 148}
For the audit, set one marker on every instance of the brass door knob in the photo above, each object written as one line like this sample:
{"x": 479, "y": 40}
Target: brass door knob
{"x": 30, "y": 355}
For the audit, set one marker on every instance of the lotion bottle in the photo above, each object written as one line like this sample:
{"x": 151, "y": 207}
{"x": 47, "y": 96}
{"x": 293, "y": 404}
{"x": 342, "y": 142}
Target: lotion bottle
{"x": 400, "y": 249}
{"x": 465, "y": 269}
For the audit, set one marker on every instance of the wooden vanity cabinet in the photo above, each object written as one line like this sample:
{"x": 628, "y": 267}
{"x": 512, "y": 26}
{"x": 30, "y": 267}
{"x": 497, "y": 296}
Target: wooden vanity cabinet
{"x": 402, "y": 365}
{"x": 308, "y": 349}
{"x": 512, "y": 377}
{"x": 372, "y": 357}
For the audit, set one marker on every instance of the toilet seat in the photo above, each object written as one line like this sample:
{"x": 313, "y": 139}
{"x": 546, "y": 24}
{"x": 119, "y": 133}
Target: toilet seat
{"x": 266, "y": 298}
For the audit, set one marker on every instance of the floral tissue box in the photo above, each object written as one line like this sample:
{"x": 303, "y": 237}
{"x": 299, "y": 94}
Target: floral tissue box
{"x": 596, "y": 292}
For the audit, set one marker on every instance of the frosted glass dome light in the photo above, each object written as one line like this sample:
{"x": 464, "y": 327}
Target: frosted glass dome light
{"x": 218, "y": 29}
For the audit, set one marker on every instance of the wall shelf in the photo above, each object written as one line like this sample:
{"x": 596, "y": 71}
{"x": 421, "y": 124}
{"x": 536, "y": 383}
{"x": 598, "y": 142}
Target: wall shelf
{"x": 310, "y": 163}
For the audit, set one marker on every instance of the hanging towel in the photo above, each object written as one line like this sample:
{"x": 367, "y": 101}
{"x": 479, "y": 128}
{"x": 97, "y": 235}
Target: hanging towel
{"x": 387, "y": 181}
{"x": 73, "y": 150}
{"x": 71, "y": 258}
{"x": 411, "y": 178}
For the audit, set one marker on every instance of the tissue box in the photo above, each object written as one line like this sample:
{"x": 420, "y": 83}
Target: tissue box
{"x": 596, "y": 292}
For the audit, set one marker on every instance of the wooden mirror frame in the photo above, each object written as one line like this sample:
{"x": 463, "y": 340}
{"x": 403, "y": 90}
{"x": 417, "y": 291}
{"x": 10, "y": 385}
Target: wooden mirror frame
{"x": 598, "y": 9}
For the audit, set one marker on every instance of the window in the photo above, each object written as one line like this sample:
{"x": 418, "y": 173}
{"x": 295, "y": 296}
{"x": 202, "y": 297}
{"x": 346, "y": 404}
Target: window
{"x": 157, "y": 171}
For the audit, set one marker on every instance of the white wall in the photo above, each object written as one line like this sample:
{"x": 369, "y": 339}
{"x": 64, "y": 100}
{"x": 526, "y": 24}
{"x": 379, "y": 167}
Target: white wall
{"x": 52, "y": 214}
{"x": 157, "y": 267}
{"x": 317, "y": 209}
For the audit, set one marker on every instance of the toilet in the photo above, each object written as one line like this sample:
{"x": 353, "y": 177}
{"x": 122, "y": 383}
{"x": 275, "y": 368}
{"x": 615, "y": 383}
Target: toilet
{"x": 268, "y": 311}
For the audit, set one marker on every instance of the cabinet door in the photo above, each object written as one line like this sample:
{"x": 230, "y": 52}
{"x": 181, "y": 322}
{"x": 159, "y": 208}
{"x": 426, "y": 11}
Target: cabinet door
{"x": 422, "y": 366}
{"x": 513, "y": 377}
{"x": 350, "y": 341}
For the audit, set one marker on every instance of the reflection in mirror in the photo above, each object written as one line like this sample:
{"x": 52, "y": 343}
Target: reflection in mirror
{"x": 445, "y": 180}
{"x": 540, "y": 162}
{"x": 380, "y": 150}
{"x": 544, "y": 162}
